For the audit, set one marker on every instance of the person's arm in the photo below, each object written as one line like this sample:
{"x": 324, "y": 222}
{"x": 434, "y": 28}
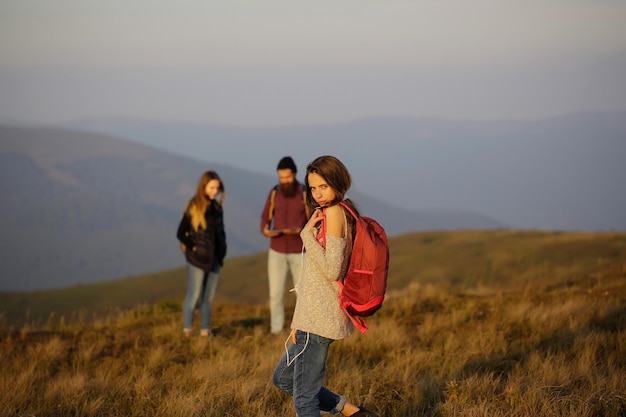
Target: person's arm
{"x": 271, "y": 233}
{"x": 183, "y": 232}
{"x": 335, "y": 221}
{"x": 265, "y": 222}
{"x": 221, "y": 239}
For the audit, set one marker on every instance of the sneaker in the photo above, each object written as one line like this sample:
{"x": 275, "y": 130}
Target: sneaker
{"x": 364, "y": 412}
{"x": 206, "y": 333}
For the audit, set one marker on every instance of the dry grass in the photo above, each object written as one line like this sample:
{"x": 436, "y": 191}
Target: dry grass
{"x": 493, "y": 324}
{"x": 553, "y": 349}
{"x": 495, "y": 259}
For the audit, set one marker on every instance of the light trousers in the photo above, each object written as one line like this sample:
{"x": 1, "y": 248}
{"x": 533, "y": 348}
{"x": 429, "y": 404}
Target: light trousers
{"x": 279, "y": 265}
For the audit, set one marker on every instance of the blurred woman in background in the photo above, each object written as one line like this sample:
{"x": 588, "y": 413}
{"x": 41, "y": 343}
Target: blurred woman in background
{"x": 203, "y": 241}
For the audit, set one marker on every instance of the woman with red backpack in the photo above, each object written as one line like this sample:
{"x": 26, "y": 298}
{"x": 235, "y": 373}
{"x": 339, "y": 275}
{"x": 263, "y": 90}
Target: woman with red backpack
{"x": 318, "y": 318}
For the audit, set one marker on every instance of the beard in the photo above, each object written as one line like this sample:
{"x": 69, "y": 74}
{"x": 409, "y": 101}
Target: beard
{"x": 288, "y": 190}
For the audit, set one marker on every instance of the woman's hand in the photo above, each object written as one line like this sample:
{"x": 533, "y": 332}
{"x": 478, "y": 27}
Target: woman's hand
{"x": 316, "y": 217}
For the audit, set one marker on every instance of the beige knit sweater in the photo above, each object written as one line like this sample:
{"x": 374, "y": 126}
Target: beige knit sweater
{"x": 317, "y": 307}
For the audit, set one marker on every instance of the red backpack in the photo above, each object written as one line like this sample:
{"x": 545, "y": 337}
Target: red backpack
{"x": 364, "y": 285}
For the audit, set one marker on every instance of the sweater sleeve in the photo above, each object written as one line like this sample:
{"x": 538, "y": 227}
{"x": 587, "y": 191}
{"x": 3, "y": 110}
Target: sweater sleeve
{"x": 183, "y": 232}
{"x": 220, "y": 240}
{"x": 330, "y": 260}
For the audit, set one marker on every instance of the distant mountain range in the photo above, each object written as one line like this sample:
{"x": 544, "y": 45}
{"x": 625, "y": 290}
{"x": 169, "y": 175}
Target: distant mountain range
{"x": 80, "y": 207}
{"x": 561, "y": 173}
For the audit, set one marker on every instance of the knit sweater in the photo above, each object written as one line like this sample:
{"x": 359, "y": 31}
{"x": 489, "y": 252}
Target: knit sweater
{"x": 317, "y": 307}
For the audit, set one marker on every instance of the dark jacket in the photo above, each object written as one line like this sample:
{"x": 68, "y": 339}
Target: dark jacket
{"x": 288, "y": 213}
{"x": 209, "y": 243}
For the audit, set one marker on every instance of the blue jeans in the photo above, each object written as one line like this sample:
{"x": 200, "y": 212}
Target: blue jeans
{"x": 278, "y": 266}
{"x": 201, "y": 287}
{"x": 300, "y": 373}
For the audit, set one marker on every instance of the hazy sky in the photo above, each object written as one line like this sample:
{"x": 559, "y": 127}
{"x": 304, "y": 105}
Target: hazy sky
{"x": 283, "y": 62}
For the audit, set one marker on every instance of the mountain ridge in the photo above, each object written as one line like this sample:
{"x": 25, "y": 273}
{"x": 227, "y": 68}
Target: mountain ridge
{"x": 553, "y": 173}
{"x": 82, "y": 207}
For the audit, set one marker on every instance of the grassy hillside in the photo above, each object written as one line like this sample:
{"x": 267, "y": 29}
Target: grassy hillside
{"x": 548, "y": 340}
{"x": 460, "y": 260}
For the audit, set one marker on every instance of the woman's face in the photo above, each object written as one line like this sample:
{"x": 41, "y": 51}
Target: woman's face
{"x": 322, "y": 192}
{"x": 212, "y": 188}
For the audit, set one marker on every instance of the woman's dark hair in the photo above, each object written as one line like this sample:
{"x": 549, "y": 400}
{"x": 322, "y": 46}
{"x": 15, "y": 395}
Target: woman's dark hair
{"x": 335, "y": 174}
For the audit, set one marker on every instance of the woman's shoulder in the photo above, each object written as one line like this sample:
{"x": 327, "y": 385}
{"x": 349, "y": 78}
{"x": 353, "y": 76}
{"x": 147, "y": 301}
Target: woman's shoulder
{"x": 334, "y": 211}
{"x": 188, "y": 207}
{"x": 214, "y": 208}
{"x": 217, "y": 204}
{"x": 335, "y": 220}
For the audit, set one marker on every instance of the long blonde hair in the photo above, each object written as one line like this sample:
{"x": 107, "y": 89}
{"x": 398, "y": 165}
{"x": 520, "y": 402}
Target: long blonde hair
{"x": 198, "y": 204}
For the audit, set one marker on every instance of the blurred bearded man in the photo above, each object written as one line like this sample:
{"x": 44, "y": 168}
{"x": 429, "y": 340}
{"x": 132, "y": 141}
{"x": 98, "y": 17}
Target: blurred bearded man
{"x": 284, "y": 214}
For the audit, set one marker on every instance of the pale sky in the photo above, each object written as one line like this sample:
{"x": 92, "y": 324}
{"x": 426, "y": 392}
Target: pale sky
{"x": 283, "y": 62}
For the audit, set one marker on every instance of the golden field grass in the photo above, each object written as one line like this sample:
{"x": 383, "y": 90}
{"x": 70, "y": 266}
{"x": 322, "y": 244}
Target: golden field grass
{"x": 535, "y": 326}
{"x": 499, "y": 259}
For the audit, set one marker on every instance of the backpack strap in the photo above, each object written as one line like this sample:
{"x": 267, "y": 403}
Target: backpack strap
{"x": 270, "y": 213}
{"x": 321, "y": 235}
{"x": 307, "y": 209}
{"x": 347, "y": 207}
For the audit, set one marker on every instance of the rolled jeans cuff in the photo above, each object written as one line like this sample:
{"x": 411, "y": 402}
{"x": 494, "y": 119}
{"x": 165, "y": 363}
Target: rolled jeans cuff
{"x": 339, "y": 406}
